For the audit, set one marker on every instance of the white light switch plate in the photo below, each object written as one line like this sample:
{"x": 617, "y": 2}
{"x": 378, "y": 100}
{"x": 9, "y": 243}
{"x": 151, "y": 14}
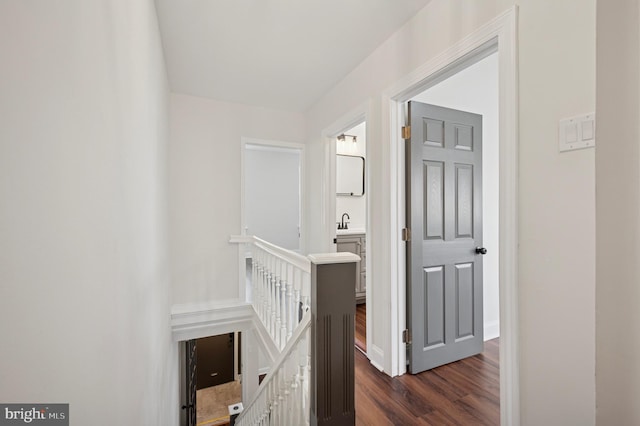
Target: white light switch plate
{"x": 577, "y": 132}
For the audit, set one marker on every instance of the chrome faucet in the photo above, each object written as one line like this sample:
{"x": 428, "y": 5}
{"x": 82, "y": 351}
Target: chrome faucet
{"x": 343, "y": 224}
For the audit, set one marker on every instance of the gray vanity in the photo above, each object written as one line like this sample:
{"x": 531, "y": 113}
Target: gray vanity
{"x": 353, "y": 241}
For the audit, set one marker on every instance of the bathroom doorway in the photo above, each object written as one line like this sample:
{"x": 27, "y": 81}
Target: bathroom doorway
{"x": 351, "y": 214}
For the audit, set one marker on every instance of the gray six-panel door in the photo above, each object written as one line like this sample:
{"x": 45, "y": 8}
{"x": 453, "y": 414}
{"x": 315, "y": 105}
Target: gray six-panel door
{"x": 444, "y": 214}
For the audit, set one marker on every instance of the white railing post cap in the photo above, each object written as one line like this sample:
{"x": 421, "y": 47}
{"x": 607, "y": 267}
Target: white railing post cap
{"x": 327, "y": 258}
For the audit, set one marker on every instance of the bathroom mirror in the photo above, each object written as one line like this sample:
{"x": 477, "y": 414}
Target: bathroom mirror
{"x": 349, "y": 175}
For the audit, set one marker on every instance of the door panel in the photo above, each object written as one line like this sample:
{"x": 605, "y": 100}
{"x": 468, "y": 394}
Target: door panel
{"x": 435, "y": 288}
{"x": 464, "y": 301}
{"x": 444, "y": 273}
{"x": 433, "y": 132}
{"x": 434, "y": 200}
{"x": 464, "y": 201}
{"x": 463, "y": 137}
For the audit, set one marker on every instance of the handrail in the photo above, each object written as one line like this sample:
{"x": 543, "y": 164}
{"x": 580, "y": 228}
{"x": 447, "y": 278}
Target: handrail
{"x": 271, "y": 398}
{"x": 298, "y": 260}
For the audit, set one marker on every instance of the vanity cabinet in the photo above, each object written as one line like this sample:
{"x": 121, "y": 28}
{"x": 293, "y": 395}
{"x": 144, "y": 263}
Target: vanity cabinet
{"x": 355, "y": 243}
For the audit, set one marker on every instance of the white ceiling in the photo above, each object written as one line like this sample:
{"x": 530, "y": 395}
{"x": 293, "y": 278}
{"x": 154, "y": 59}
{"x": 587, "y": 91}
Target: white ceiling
{"x": 282, "y": 54}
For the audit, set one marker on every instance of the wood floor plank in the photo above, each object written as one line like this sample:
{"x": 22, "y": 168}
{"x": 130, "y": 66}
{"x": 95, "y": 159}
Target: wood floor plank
{"x": 465, "y": 392}
{"x": 361, "y": 326}
{"x": 381, "y": 392}
{"x": 486, "y": 410}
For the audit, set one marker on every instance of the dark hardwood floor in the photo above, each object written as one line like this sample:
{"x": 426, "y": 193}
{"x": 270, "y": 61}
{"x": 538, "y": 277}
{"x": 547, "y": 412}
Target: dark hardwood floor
{"x": 361, "y": 326}
{"x": 465, "y": 392}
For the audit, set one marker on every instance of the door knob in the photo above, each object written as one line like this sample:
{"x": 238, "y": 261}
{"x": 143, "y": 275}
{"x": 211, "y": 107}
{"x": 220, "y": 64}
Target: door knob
{"x": 481, "y": 250}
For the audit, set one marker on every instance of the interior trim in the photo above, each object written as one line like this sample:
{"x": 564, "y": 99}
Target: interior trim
{"x": 197, "y": 321}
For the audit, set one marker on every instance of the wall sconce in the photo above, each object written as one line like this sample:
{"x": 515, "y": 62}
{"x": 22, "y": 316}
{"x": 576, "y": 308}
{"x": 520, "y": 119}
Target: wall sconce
{"x": 342, "y": 138}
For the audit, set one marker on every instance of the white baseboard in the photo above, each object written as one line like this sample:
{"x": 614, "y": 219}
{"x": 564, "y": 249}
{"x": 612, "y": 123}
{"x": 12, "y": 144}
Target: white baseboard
{"x": 491, "y": 330}
{"x": 376, "y": 356}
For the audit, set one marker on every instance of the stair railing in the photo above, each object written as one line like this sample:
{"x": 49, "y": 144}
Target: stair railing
{"x": 283, "y": 396}
{"x": 279, "y": 288}
{"x": 307, "y": 307}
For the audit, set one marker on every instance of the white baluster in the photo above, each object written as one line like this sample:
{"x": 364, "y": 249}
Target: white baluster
{"x": 265, "y": 290}
{"x": 280, "y": 399}
{"x": 290, "y": 301}
{"x": 257, "y": 284}
{"x": 275, "y": 420}
{"x": 260, "y": 284}
{"x": 295, "y": 387}
{"x": 274, "y": 313}
{"x": 283, "y": 305}
{"x": 297, "y": 296}
{"x": 291, "y": 374}
{"x": 273, "y": 293}
{"x": 306, "y": 290}
{"x": 255, "y": 281}
{"x": 269, "y": 295}
{"x": 278, "y": 304}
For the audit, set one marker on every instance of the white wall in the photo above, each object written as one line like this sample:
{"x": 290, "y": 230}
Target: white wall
{"x": 556, "y": 191}
{"x": 272, "y": 194}
{"x": 618, "y": 213}
{"x": 356, "y": 207}
{"x": 83, "y": 237}
{"x": 475, "y": 89}
{"x": 205, "y": 192}
{"x": 557, "y": 218}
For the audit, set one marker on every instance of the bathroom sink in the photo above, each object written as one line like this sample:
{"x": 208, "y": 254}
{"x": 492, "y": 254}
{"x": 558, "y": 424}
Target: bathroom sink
{"x": 350, "y": 231}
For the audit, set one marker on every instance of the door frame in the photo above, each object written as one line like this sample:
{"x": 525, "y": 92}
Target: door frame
{"x": 361, "y": 114}
{"x": 275, "y": 146}
{"x": 499, "y": 35}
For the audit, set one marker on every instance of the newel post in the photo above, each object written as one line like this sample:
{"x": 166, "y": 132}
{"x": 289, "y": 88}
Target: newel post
{"x": 333, "y": 307}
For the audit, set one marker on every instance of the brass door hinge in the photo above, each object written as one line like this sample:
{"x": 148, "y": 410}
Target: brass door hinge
{"x": 406, "y": 234}
{"x": 406, "y": 336}
{"x": 406, "y": 132}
